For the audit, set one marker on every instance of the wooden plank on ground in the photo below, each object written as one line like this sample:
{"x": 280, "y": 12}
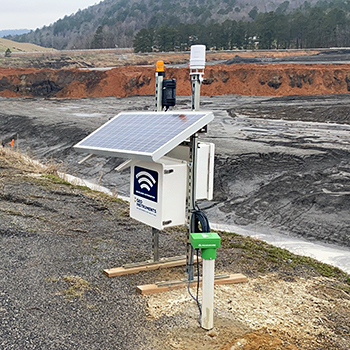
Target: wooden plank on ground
{"x": 120, "y": 271}
{"x": 154, "y": 288}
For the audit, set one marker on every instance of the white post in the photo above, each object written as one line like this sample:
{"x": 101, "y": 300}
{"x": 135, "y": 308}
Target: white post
{"x": 208, "y": 294}
{"x": 159, "y": 85}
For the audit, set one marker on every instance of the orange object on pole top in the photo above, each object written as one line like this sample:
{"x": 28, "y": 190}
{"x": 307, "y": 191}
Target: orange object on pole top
{"x": 12, "y": 142}
{"x": 160, "y": 66}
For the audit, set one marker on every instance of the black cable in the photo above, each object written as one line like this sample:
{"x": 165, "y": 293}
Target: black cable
{"x": 198, "y": 217}
{"x": 199, "y": 223}
{"x": 196, "y": 299}
{"x": 198, "y": 303}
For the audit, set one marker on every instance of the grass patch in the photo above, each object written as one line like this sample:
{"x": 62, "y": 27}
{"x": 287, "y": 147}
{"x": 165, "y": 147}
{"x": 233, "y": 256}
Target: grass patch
{"x": 77, "y": 287}
{"x": 56, "y": 179}
{"x": 108, "y": 198}
{"x": 176, "y": 229}
{"x": 267, "y": 255}
{"x": 59, "y": 181}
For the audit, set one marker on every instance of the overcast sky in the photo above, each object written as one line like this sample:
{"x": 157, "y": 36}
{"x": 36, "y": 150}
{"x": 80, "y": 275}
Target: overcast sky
{"x": 32, "y": 14}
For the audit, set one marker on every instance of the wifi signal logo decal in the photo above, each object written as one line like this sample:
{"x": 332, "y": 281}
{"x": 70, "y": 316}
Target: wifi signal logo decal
{"x": 146, "y": 180}
{"x": 146, "y": 183}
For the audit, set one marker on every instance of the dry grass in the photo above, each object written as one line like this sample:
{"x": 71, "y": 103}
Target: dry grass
{"x": 77, "y": 287}
{"x": 20, "y": 47}
{"x": 14, "y": 158}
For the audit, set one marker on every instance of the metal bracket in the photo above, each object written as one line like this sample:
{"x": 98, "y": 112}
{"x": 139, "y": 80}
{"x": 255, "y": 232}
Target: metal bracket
{"x": 87, "y": 158}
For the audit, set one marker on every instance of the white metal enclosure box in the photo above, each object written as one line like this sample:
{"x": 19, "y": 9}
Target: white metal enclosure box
{"x": 204, "y": 169}
{"x": 158, "y": 192}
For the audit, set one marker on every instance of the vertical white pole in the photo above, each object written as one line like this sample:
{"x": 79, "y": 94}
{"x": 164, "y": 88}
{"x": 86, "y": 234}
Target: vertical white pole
{"x": 196, "y": 91}
{"x": 208, "y": 294}
{"x": 159, "y": 87}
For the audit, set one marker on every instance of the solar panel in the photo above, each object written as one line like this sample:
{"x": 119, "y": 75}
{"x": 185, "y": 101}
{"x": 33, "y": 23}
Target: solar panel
{"x": 144, "y": 135}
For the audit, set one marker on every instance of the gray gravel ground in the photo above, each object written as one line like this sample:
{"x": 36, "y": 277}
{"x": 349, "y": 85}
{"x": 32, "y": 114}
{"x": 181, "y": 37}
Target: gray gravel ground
{"x": 55, "y": 242}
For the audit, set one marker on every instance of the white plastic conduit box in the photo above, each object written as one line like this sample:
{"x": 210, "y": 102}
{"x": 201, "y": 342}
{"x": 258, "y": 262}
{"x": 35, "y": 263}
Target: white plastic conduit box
{"x": 205, "y": 167}
{"x": 158, "y": 192}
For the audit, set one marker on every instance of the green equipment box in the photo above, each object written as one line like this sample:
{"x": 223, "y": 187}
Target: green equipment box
{"x": 208, "y": 242}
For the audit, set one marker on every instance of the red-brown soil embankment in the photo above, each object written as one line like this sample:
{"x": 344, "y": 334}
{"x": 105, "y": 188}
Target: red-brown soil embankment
{"x": 242, "y": 79}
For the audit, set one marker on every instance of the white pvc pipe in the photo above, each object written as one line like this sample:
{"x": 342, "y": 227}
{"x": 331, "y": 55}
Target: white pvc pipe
{"x": 208, "y": 294}
{"x": 159, "y": 92}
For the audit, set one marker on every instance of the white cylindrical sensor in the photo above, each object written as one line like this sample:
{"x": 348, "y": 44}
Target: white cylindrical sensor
{"x": 197, "y": 60}
{"x": 208, "y": 294}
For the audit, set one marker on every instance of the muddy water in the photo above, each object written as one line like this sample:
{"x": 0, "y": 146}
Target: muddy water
{"x": 282, "y": 167}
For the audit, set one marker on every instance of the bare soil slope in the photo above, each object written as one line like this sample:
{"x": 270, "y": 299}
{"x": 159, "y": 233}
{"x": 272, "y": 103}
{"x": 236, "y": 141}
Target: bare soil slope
{"x": 242, "y": 79}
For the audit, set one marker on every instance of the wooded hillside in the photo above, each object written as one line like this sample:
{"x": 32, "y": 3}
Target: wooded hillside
{"x": 168, "y": 25}
{"x": 321, "y": 26}
{"x": 114, "y": 23}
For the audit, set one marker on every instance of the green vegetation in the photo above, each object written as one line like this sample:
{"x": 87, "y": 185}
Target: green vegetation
{"x": 175, "y": 25}
{"x": 268, "y": 255}
{"x": 324, "y": 25}
{"x": 57, "y": 180}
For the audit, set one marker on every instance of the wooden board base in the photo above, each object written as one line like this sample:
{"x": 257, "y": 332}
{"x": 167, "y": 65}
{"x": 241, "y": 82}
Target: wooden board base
{"x": 154, "y": 288}
{"x": 162, "y": 264}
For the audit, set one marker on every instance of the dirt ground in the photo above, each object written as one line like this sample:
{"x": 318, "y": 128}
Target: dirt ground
{"x": 57, "y": 238}
{"x": 243, "y": 79}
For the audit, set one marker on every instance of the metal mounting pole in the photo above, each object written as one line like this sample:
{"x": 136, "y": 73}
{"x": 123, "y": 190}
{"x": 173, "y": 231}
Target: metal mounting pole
{"x": 155, "y": 244}
{"x": 196, "y": 91}
{"x": 196, "y": 79}
{"x": 191, "y": 201}
{"x": 159, "y": 86}
{"x": 158, "y": 108}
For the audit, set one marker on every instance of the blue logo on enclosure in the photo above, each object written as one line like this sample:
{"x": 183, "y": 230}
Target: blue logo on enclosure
{"x": 146, "y": 183}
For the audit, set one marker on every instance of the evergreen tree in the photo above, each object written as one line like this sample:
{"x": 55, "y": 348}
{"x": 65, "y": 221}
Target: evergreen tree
{"x": 166, "y": 38}
{"x": 144, "y": 40}
{"x": 97, "y": 42}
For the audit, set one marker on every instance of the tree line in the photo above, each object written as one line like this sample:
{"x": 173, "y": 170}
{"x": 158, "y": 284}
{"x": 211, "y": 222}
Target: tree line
{"x": 320, "y": 26}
